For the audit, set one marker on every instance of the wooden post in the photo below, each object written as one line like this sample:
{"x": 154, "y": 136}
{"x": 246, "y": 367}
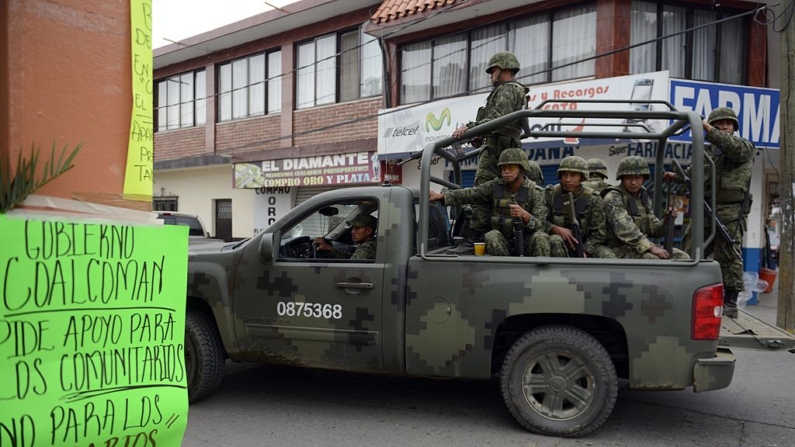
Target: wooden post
{"x": 785, "y": 318}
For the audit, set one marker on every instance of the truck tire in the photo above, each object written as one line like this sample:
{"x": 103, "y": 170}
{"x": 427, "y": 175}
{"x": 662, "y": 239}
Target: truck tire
{"x": 559, "y": 381}
{"x": 204, "y": 356}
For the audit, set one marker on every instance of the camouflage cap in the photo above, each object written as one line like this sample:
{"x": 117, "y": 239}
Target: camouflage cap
{"x": 596, "y": 166}
{"x": 504, "y": 60}
{"x": 514, "y": 156}
{"x": 633, "y": 165}
{"x": 573, "y": 163}
{"x": 724, "y": 113}
{"x": 363, "y": 220}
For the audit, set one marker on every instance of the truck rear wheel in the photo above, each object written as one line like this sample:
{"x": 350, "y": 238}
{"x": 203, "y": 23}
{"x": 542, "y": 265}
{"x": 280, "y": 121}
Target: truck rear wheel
{"x": 204, "y": 356}
{"x": 560, "y": 381}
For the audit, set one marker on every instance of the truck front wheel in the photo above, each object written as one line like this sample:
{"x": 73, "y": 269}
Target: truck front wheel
{"x": 204, "y": 356}
{"x": 559, "y": 381}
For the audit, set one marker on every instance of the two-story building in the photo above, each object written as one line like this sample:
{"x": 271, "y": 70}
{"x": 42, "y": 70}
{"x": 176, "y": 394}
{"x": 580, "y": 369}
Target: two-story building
{"x": 257, "y": 116}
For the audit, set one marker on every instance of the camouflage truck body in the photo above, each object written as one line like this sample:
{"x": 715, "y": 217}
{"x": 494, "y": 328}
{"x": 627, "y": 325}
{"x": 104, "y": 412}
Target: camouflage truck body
{"x": 447, "y": 316}
{"x": 558, "y": 332}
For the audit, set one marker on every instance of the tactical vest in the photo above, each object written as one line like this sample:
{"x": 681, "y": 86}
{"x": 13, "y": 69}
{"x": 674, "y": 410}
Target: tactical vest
{"x": 641, "y": 218}
{"x": 734, "y": 181}
{"x": 560, "y": 217}
{"x": 501, "y": 218}
{"x": 513, "y": 129}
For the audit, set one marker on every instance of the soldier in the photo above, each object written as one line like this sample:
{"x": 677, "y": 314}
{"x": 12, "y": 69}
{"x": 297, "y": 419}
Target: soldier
{"x": 511, "y": 197}
{"x": 597, "y": 175}
{"x": 630, "y": 220}
{"x": 734, "y": 160}
{"x": 589, "y": 210}
{"x": 507, "y": 96}
{"x": 363, "y": 234}
{"x": 534, "y": 173}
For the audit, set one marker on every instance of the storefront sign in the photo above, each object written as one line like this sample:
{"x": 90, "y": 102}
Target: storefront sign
{"x": 757, "y": 109}
{"x": 408, "y": 129}
{"x": 270, "y": 204}
{"x": 322, "y": 170}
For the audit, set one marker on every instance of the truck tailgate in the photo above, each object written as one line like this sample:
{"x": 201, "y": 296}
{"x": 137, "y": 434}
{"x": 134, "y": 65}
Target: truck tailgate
{"x": 748, "y": 332}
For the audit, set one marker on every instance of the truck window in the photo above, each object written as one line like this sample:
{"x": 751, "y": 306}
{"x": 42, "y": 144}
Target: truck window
{"x": 336, "y": 231}
{"x": 438, "y": 226}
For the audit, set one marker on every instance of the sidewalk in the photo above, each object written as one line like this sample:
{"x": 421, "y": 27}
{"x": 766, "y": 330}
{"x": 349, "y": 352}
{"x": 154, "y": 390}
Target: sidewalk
{"x": 767, "y": 307}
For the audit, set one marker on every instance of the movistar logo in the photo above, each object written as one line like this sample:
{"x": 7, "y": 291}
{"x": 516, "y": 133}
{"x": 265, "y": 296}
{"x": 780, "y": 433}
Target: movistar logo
{"x": 432, "y": 121}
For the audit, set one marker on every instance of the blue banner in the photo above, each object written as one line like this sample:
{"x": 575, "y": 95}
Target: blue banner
{"x": 757, "y": 108}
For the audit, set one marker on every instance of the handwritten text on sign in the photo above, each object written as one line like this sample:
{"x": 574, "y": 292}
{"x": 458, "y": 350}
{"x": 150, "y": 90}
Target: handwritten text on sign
{"x": 138, "y": 180}
{"x": 91, "y": 334}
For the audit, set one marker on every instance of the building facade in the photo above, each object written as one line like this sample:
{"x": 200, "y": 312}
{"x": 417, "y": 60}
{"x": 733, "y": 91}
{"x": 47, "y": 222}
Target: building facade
{"x": 299, "y": 100}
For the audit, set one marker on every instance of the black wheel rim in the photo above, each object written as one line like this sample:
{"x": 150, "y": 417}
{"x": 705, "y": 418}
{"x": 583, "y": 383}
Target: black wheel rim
{"x": 558, "y": 385}
{"x": 191, "y": 359}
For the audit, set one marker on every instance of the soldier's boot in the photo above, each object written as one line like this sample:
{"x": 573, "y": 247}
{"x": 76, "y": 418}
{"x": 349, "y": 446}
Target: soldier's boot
{"x": 730, "y": 303}
{"x": 467, "y": 246}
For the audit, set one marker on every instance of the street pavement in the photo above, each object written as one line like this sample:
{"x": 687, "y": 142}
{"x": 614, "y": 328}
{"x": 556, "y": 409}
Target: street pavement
{"x": 260, "y": 405}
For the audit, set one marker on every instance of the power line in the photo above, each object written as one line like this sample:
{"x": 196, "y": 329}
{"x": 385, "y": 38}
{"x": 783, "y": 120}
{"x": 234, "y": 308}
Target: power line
{"x": 478, "y": 90}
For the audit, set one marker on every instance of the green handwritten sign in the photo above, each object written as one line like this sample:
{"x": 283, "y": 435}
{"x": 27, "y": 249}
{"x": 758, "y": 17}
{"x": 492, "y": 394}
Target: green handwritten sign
{"x": 92, "y": 324}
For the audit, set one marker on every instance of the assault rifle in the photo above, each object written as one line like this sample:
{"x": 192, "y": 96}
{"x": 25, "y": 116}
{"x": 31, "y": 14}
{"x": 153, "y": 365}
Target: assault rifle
{"x": 568, "y": 205}
{"x": 670, "y": 223}
{"x": 708, "y": 214}
{"x": 517, "y": 244}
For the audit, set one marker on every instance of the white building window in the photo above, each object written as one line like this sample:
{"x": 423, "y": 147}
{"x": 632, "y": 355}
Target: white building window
{"x": 244, "y": 88}
{"x": 181, "y": 101}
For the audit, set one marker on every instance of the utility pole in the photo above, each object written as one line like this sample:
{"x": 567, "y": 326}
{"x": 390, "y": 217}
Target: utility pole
{"x": 785, "y": 318}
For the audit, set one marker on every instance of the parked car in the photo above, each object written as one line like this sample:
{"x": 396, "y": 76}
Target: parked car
{"x": 197, "y": 234}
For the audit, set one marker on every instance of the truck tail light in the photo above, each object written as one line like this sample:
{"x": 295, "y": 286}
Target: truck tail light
{"x": 707, "y": 312}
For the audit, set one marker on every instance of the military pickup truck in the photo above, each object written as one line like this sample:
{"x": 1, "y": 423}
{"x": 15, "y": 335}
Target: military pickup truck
{"x": 557, "y": 333}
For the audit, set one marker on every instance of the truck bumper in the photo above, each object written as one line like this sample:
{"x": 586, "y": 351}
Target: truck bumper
{"x": 714, "y": 373}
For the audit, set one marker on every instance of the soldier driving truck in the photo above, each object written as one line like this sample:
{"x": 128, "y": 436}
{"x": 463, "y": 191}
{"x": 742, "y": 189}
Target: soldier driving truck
{"x": 556, "y": 333}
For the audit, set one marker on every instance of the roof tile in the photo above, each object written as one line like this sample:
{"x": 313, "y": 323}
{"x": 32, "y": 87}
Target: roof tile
{"x": 397, "y": 9}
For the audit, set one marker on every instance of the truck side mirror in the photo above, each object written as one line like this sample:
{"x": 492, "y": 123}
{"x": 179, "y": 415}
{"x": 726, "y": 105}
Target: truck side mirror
{"x": 266, "y": 248}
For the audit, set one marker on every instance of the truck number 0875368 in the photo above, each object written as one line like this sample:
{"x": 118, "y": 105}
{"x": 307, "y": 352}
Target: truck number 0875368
{"x": 309, "y": 310}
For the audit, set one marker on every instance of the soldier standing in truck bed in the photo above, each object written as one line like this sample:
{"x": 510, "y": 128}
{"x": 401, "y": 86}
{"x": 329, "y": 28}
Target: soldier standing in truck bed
{"x": 734, "y": 161}
{"x": 508, "y": 96}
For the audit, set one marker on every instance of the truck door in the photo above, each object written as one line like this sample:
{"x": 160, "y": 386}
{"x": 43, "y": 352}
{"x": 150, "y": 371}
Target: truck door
{"x": 314, "y": 307}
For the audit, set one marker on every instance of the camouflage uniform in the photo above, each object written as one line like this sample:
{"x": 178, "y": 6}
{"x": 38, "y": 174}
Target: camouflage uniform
{"x": 496, "y": 196}
{"x": 597, "y": 174}
{"x": 734, "y": 160}
{"x": 630, "y": 220}
{"x": 365, "y": 250}
{"x": 507, "y": 97}
{"x": 590, "y": 212}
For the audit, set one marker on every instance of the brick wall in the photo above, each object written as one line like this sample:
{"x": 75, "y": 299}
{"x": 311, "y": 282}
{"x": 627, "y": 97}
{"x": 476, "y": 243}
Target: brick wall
{"x": 318, "y": 117}
{"x": 181, "y": 143}
{"x": 249, "y": 135}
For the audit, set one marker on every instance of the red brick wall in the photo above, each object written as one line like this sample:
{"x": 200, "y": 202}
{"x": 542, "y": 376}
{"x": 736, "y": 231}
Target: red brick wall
{"x": 248, "y": 135}
{"x": 318, "y": 117}
{"x": 174, "y": 144}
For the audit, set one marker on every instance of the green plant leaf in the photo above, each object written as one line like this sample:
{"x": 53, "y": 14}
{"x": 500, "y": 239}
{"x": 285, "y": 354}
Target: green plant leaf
{"x": 24, "y": 182}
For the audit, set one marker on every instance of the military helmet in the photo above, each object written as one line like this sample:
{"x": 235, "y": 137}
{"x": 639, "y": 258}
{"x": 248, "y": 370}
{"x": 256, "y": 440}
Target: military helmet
{"x": 363, "y": 220}
{"x": 534, "y": 172}
{"x": 596, "y": 166}
{"x": 724, "y": 113}
{"x": 633, "y": 165}
{"x": 504, "y": 60}
{"x": 514, "y": 156}
{"x": 574, "y": 163}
